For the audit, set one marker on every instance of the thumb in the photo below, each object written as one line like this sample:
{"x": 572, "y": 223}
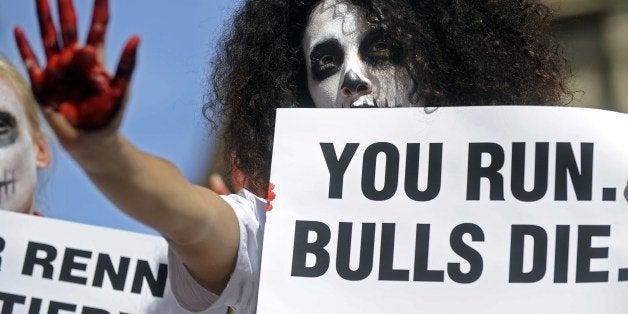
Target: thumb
{"x": 60, "y": 125}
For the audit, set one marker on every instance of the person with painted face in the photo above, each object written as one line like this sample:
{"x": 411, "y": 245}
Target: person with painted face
{"x": 384, "y": 53}
{"x": 277, "y": 53}
{"x": 23, "y": 147}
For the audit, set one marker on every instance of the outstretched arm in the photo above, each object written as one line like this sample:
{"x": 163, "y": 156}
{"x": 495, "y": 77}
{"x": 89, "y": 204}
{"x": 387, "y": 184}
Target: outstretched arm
{"x": 83, "y": 104}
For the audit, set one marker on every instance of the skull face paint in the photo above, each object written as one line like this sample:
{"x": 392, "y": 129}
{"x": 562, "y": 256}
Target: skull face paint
{"x": 351, "y": 63}
{"x": 18, "y": 167}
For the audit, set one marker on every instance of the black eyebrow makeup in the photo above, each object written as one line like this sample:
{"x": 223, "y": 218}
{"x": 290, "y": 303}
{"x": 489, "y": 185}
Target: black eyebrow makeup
{"x": 326, "y": 59}
{"x": 379, "y": 50}
{"x": 8, "y": 129}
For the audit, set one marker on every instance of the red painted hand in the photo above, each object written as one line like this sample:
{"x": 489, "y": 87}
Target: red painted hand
{"x": 271, "y": 197}
{"x": 75, "y": 82}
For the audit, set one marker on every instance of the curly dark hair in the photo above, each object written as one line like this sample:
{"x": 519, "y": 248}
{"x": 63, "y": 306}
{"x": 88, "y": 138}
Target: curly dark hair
{"x": 457, "y": 52}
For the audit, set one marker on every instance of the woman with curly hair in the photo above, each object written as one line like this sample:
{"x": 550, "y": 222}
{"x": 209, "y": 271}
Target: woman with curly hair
{"x": 324, "y": 53}
{"x": 450, "y": 53}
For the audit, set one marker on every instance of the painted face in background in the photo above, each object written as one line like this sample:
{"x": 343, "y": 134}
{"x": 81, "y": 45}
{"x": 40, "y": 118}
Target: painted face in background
{"x": 351, "y": 63}
{"x": 18, "y": 166}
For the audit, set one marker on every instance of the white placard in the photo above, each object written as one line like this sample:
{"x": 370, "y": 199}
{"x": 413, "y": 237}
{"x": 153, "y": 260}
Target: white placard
{"x": 455, "y": 210}
{"x": 52, "y": 266}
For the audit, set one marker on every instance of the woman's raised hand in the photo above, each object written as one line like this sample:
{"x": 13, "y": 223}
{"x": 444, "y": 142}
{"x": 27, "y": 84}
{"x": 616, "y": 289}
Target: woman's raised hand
{"x": 74, "y": 88}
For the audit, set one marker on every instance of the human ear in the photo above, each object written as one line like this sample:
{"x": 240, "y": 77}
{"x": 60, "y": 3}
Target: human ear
{"x": 42, "y": 151}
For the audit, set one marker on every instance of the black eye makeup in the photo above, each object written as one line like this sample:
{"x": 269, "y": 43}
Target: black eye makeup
{"x": 326, "y": 58}
{"x": 379, "y": 50}
{"x": 8, "y": 129}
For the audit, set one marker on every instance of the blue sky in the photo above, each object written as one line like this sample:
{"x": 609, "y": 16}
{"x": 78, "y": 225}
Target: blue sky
{"x": 164, "y": 110}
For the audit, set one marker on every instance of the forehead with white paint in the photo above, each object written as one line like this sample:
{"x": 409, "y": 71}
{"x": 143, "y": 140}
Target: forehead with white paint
{"x": 334, "y": 20}
{"x": 18, "y": 169}
{"x": 351, "y": 63}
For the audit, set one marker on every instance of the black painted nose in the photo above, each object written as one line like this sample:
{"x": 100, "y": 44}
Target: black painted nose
{"x": 353, "y": 85}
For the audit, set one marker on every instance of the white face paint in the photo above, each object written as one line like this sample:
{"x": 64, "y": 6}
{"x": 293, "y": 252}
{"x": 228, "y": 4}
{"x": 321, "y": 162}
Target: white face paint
{"x": 351, "y": 63}
{"x": 18, "y": 168}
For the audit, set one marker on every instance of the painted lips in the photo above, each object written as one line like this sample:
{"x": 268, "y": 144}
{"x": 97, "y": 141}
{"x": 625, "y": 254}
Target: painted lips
{"x": 373, "y": 103}
{"x": 7, "y": 184}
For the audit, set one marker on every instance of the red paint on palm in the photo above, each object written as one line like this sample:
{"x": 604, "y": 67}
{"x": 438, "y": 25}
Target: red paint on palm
{"x": 74, "y": 80}
{"x": 270, "y": 197}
